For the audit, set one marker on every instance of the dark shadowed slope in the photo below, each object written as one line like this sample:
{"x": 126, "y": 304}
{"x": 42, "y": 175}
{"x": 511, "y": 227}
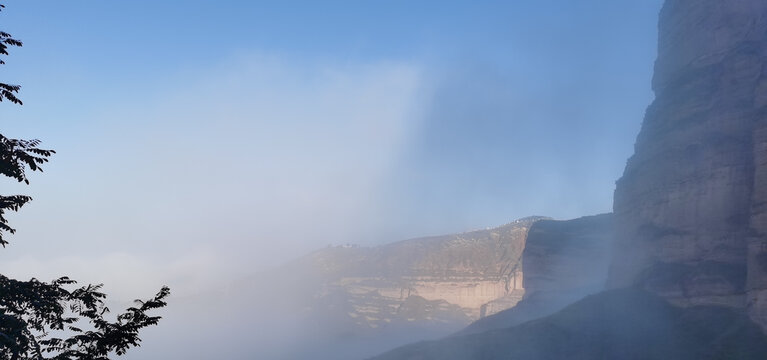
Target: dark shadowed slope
{"x": 618, "y": 324}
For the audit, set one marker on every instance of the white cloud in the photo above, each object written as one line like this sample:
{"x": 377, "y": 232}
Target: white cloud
{"x": 221, "y": 171}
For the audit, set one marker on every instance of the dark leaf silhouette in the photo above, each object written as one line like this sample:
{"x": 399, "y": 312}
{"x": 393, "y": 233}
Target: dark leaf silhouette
{"x": 55, "y": 320}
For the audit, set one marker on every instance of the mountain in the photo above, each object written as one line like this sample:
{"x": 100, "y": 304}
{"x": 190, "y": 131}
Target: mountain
{"x": 688, "y": 267}
{"x": 352, "y": 301}
{"x": 451, "y": 278}
{"x": 349, "y": 301}
{"x": 691, "y": 206}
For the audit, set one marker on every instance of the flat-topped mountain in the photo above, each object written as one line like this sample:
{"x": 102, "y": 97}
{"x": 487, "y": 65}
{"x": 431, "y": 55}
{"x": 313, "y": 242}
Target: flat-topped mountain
{"x": 349, "y": 301}
{"x": 452, "y": 278}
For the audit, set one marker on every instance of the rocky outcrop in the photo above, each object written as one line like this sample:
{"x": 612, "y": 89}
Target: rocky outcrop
{"x": 463, "y": 277}
{"x": 568, "y": 256}
{"x": 563, "y": 261}
{"x": 691, "y": 207}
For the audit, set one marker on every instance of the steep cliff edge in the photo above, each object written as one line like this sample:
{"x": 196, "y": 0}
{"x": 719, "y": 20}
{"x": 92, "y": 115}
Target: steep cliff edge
{"x": 563, "y": 261}
{"x": 691, "y": 207}
{"x": 568, "y": 256}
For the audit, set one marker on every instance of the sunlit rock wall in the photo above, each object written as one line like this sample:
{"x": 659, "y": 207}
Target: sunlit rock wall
{"x": 463, "y": 276}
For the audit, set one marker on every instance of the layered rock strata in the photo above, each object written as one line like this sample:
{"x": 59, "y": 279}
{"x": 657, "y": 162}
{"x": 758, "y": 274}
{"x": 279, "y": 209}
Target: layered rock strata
{"x": 691, "y": 207}
{"x": 456, "y": 278}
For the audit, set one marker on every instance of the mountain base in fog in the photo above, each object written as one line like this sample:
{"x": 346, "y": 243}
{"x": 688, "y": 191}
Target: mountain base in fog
{"x": 619, "y": 324}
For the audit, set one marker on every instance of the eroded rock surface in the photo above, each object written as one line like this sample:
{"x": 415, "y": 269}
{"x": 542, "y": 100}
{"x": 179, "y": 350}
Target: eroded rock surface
{"x": 691, "y": 207}
{"x": 458, "y": 278}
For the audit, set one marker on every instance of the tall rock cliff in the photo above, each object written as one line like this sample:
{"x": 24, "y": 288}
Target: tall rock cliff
{"x": 691, "y": 207}
{"x": 563, "y": 261}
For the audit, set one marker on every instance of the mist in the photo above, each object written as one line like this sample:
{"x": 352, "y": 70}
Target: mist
{"x": 219, "y": 145}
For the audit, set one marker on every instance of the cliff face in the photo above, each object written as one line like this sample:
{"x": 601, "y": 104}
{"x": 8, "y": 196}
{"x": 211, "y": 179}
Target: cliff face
{"x": 563, "y": 261}
{"x": 457, "y": 278}
{"x": 691, "y": 207}
{"x": 568, "y": 256}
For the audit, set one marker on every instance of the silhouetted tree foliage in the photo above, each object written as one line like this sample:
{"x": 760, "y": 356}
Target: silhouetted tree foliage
{"x": 8, "y": 92}
{"x": 55, "y": 320}
{"x": 15, "y": 157}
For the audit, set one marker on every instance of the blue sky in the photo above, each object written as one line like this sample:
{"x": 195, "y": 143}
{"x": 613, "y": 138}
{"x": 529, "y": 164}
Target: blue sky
{"x": 200, "y": 138}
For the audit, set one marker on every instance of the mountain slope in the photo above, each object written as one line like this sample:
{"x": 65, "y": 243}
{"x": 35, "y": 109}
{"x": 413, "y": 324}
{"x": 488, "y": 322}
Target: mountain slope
{"x": 619, "y": 324}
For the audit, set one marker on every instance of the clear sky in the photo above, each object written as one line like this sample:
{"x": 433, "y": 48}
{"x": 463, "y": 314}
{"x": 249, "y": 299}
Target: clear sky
{"x": 203, "y": 138}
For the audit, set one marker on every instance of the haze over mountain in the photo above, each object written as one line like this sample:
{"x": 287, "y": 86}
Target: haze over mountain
{"x": 687, "y": 268}
{"x": 344, "y": 122}
{"x": 265, "y": 178}
{"x": 352, "y": 302}
{"x": 676, "y": 272}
